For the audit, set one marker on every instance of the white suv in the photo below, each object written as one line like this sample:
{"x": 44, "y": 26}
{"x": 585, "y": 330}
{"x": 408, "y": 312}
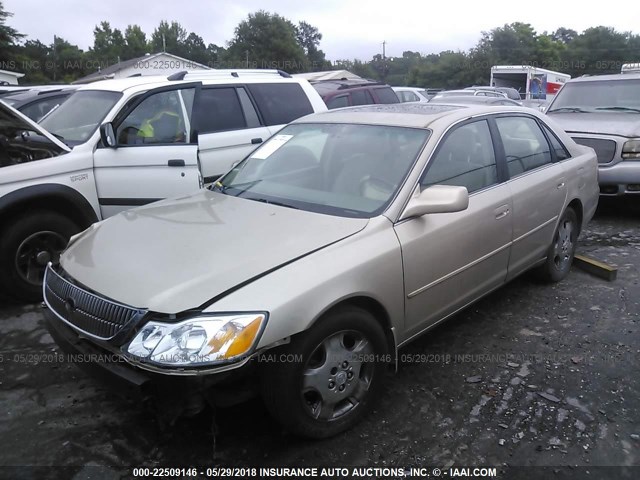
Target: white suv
{"x": 133, "y": 141}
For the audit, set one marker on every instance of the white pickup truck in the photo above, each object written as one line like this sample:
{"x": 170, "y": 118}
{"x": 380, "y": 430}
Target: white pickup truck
{"x": 117, "y": 144}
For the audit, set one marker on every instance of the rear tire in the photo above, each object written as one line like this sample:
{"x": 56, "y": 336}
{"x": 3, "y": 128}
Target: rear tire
{"x": 562, "y": 249}
{"x": 26, "y": 246}
{"x": 327, "y": 378}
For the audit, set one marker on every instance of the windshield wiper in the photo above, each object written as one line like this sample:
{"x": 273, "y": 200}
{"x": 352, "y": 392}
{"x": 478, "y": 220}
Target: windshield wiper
{"x": 217, "y": 186}
{"x": 625, "y": 109}
{"x": 568, "y": 109}
{"x": 279, "y": 204}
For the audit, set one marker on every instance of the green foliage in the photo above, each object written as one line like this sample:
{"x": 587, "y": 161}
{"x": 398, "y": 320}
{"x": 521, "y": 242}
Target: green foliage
{"x": 9, "y": 37}
{"x": 266, "y": 40}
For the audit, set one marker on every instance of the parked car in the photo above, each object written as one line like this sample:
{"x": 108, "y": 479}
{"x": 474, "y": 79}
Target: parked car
{"x": 412, "y": 94}
{"x": 135, "y": 141}
{"x": 537, "y": 104}
{"x": 475, "y": 99}
{"x": 341, "y": 239}
{"x": 36, "y": 103}
{"x": 511, "y": 93}
{"x": 346, "y": 93}
{"x": 603, "y": 112}
{"x": 478, "y": 92}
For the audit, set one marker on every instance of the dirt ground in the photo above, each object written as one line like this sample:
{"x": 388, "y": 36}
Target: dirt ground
{"x": 533, "y": 375}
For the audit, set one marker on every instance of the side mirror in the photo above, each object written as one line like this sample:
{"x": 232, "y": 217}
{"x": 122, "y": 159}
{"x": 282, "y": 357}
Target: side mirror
{"x": 108, "y": 135}
{"x": 437, "y": 199}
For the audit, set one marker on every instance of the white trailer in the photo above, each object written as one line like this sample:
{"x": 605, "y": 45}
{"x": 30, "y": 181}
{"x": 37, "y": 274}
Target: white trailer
{"x": 531, "y": 82}
{"x": 630, "y": 68}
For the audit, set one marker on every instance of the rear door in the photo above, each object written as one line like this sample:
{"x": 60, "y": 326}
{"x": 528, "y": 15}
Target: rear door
{"x": 537, "y": 185}
{"x": 229, "y": 128}
{"x": 156, "y": 155}
{"x": 450, "y": 259}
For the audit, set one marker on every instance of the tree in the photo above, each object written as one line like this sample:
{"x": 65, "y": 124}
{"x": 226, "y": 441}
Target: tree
{"x": 195, "y": 49}
{"x": 169, "y": 38}
{"x": 597, "y": 50}
{"x": 564, "y": 35}
{"x": 9, "y": 37}
{"x": 108, "y": 44}
{"x": 136, "y": 42}
{"x": 34, "y": 55}
{"x": 309, "y": 38}
{"x": 266, "y": 40}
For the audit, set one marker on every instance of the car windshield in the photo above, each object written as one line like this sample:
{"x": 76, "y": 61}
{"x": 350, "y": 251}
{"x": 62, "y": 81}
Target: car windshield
{"x": 76, "y": 119}
{"x": 338, "y": 169}
{"x": 599, "y": 96}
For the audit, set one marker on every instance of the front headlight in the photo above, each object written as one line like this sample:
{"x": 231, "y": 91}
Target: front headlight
{"x": 631, "y": 149}
{"x": 198, "y": 341}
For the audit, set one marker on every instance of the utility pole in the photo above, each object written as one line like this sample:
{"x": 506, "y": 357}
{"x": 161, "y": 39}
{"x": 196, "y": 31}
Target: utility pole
{"x": 164, "y": 43}
{"x": 247, "y": 57}
{"x": 384, "y": 44}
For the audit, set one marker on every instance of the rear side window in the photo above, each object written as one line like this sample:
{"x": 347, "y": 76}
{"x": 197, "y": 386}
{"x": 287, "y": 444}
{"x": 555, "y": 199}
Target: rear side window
{"x": 525, "y": 146}
{"x": 361, "y": 97}
{"x": 219, "y": 110}
{"x": 561, "y": 151}
{"x": 280, "y": 102}
{"x": 386, "y": 95}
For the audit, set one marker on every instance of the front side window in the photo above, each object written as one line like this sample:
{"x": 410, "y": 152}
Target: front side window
{"x": 159, "y": 119}
{"x": 338, "y": 102}
{"x": 525, "y": 146}
{"x": 337, "y": 169}
{"x": 465, "y": 158}
{"x": 78, "y": 117}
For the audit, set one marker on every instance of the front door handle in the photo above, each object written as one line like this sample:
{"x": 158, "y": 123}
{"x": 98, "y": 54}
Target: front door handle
{"x": 176, "y": 162}
{"x": 255, "y": 141}
{"x": 560, "y": 185}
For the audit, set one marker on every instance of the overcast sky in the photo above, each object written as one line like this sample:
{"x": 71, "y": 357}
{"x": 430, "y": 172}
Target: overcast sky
{"x": 350, "y": 28}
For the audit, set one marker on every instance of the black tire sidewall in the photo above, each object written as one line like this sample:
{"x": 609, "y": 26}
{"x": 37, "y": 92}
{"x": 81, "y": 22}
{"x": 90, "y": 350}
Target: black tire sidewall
{"x": 16, "y": 231}
{"x": 282, "y": 381}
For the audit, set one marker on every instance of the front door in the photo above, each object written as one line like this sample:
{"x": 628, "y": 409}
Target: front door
{"x": 450, "y": 259}
{"x": 156, "y": 155}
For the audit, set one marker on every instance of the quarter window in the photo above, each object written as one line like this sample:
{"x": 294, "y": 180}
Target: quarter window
{"x": 525, "y": 146}
{"x": 465, "y": 158}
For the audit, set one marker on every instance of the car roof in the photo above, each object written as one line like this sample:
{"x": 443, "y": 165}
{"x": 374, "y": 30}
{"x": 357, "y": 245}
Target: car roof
{"x": 599, "y": 78}
{"x": 416, "y": 115}
{"x": 476, "y": 99}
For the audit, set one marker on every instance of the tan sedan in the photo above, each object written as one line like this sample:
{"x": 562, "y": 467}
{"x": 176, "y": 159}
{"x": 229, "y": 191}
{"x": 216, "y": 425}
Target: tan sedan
{"x": 301, "y": 272}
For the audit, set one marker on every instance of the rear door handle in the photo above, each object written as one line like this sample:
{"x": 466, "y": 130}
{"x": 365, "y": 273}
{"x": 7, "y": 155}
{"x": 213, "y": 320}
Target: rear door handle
{"x": 501, "y": 212}
{"x": 176, "y": 162}
{"x": 256, "y": 141}
{"x": 561, "y": 185}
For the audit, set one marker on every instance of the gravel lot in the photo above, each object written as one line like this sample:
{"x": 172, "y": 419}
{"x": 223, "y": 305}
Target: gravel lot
{"x": 535, "y": 375}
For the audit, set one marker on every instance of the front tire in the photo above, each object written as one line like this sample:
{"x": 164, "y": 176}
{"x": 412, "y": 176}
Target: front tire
{"x": 326, "y": 379}
{"x": 26, "y": 246}
{"x": 562, "y": 250}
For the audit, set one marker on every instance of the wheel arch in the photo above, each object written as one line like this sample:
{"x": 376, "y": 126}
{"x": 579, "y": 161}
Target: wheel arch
{"x": 50, "y": 196}
{"x": 577, "y": 207}
{"x": 375, "y": 308}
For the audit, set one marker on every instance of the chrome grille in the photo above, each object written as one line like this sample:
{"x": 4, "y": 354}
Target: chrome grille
{"x": 605, "y": 149}
{"x": 86, "y": 311}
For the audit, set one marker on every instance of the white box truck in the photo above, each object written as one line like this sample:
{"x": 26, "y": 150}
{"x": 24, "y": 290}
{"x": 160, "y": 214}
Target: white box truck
{"x": 630, "y": 68}
{"x": 531, "y": 82}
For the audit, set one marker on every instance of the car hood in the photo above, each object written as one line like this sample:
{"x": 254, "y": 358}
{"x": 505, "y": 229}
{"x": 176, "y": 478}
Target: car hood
{"x": 610, "y": 123}
{"x": 179, "y": 254}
